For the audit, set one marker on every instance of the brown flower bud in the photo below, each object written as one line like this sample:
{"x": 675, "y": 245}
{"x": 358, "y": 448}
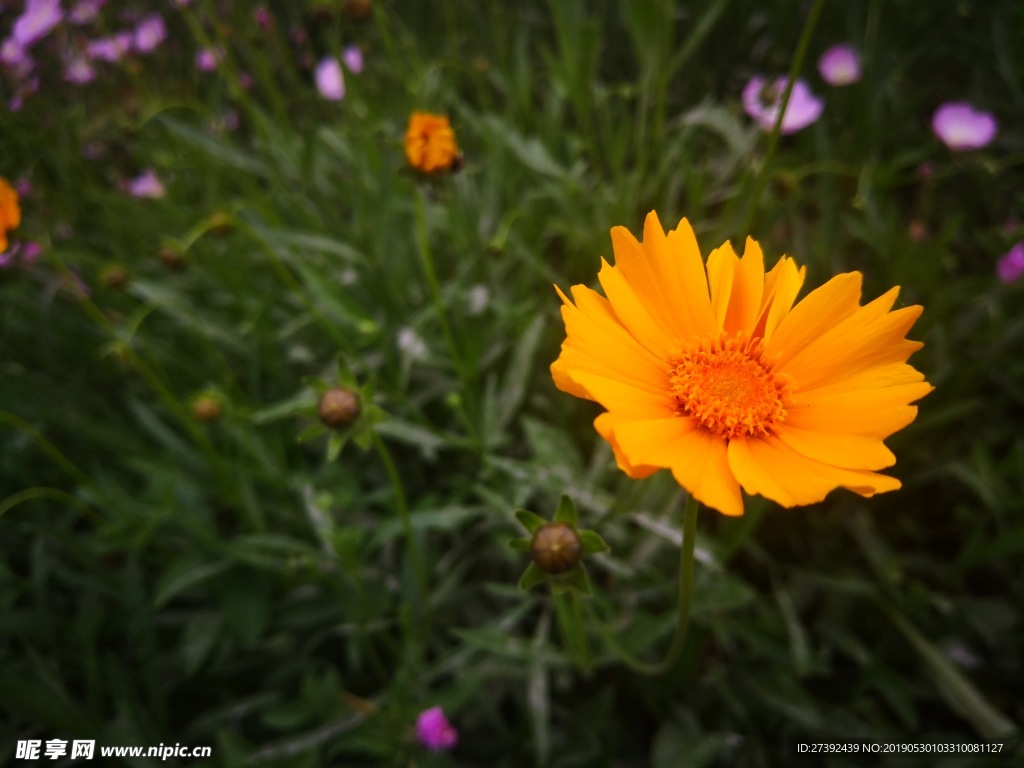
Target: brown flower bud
{"x": 339, "y": 408}
{"x": 115, "y": 276}
{"x": 556, "y": 548}
{"x": 172, "y": 259}
{"x": 206, "y": 408}
{"x": 358, "y": 10}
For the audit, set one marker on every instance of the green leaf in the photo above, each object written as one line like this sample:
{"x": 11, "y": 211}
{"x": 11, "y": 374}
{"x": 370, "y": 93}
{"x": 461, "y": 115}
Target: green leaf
{"x": 313, "y": 430}
{"x": 529, "y": 520}
{"x": 580, "y": 579}
{"x": 335, "y": 444}
{"x": 531, "y": 577}
{"x": 566, "y": 511}
{"x": 592, "y": 542}
{"x": 183, "y": 577}
{"x": 520, "y": 545}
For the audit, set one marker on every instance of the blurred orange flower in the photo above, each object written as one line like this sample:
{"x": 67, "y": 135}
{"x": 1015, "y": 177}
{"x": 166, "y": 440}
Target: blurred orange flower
{"x": 430, "y": 143}
{"x": 10, "y": 211}
{"x": 713, "y": 373}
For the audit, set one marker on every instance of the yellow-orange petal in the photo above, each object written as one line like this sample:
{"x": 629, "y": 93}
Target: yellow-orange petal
{"x": 597, "y": 342}
{"x": 722, "y": 265}
{"x": 877, "y": 412}
{"x": 817, "y": 312}
{"x": 747, "y": 290}
{"x": 781, "y": 286}
{"x": 849, "y": 451}
{"x": 632, "y": 311}
{"x": 605, "y": 425}
{"x": 772, "y": 469}
{"x": 696, "y": 457}
{"x": 624, "y": 397}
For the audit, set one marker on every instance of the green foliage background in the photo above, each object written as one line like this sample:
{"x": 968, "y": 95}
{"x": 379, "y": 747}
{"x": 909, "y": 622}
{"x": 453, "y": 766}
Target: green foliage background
{"x": 166, "y": 580}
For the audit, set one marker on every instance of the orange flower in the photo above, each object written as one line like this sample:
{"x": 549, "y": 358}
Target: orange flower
{"x": 10, "y": 211}
{"x": 430, "y": 143}
{"x": 735, "y": 387}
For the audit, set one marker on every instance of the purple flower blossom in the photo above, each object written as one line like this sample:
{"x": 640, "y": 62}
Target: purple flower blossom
{"x": 762, "y": 99}
{"x": 111, "y": 48}
{"x": 23, "y": 187}
{"x": 149, "y": 33}
{"x": 208, "y": 58}
{"x": 330, "y": 80}
{"x": 961, "y": 126}
{"x": 1011, "y": 265}
{"x": 263, "y": 18}
{"x": 13, "y": 55}
{"x": 353, "y": 58}
{"x": 86, "y": 11}
{"x": 78, "y": 69}
{"x": 434, "y": 731}
{"x": 840, "y": 65}
{"x": 146, "y": 184}
{"x": 27, "y": 254}
{"x": 36, "y": 21}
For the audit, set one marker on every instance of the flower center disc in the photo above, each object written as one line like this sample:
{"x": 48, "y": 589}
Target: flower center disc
{"x": 728, "y": 387}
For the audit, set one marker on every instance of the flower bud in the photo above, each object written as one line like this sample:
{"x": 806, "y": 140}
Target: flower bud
{"x": 339, "y": 408}
{"x": 556, "y": 548}
{"x": 206, "y": 408}
{"x": 115, "y": 276}
{"x": 358, "y": 10}
{"x": 172, "y": 259}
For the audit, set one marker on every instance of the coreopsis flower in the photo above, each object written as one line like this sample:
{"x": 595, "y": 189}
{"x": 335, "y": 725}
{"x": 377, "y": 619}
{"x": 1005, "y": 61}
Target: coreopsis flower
{"x": 10, "y": 211}
{"x": 762, "y": 100}
{"x": 36, "y": 21}
{"x": 430, "y": 143}
{"x": 840, "y": 65}
{"x": 434, "y": 731}
{"x": 330, "y": 80}
{"x": 712, "y": 372}
{"x": 962, "y": 127}
{"x": 1011, "y": 266}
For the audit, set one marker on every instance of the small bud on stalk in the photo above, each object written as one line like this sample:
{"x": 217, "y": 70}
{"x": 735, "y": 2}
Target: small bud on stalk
{"x": 556, "y": 548}
{"x": 339, "y": 408}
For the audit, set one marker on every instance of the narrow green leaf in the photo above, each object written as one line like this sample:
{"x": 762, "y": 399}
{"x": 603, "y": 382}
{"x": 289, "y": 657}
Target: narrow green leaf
{"x": 566, "y": 511}
{"x": 529, "y": 520}
{"x": 531, "y": 577}
{"x": 520, "y": 545}
{"x": 592, "y": 542}
{"x": 335, "y": 444}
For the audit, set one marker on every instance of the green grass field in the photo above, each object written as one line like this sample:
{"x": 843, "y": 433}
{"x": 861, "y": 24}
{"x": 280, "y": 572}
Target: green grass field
{"x": 189, "y": 556}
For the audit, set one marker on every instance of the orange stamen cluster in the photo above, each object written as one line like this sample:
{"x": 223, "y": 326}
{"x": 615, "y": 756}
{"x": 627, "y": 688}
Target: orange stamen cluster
{"x": 728, "y": 386}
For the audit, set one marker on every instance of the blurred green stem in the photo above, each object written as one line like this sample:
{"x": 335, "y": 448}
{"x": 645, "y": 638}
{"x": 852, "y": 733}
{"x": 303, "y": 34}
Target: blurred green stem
{"x": 773, "y": 137}
{"x": 685, "y": 602}
{"x": 569, "y": 609}
{"x": 423, "y": 245}
{"x": 59, "y": 458}
{"x": 402, "y": 506}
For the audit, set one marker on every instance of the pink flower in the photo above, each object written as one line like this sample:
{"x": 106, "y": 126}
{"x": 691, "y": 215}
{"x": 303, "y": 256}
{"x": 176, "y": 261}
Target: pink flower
{"x": 962, "y": 127}
{"x": 208, "y": 58}
{"x": 149, "y": 33}
{"x": 23, "y": 187}
{"x": 840, "y": 65}
{"x": 111, "y": 48}
{"x": 330, "y": 80}
{"x": 27, "y": 253}
{"x": 1011, "y": 265}
{"x": 434, "y": 731}
{"x": 78, "y": 69}
{"x": 146, "y": 184}
{"x": 86, "y": 11}
{"x": 36, "y": 21}
{"x": 263, "y": 18}
{"x": 13, "y": 55}
{"x": 353, "y": 58}
{"x": 762, "y": 99}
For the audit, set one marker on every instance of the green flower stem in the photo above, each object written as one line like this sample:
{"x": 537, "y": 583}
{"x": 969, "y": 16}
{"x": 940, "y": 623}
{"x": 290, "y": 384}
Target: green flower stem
{"x": 773, "y": 137}
{"x": 569, "y": 610}
{"x": 402, "y": 506}
{"x": 62, "y": 461}
{"x": 442, "y": 316}
{"x": 685, "y": 602}
{"x": 54, "y": 494}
